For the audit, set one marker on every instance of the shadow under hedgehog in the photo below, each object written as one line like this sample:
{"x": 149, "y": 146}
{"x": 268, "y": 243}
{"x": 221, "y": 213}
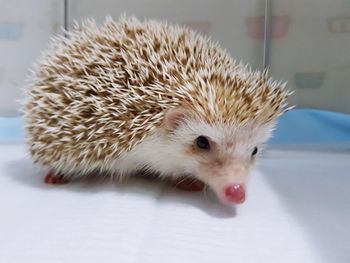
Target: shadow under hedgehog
{"x": 133, "y": 95}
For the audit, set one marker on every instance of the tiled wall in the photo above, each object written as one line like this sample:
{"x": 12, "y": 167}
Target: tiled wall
{"x": 25, "y": 28}
{"x": 309, "y": 40}
{"x": 314, "y": 52}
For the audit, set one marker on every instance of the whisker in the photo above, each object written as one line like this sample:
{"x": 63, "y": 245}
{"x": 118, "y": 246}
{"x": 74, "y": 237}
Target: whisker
{"x": 179, "y": 182}
{"x": 205, "y": 192}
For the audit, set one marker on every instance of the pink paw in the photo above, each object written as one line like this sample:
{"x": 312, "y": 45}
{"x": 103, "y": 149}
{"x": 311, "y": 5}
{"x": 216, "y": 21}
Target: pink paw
{"x": 188, "y": 184}
{"x": 52, "y": 178}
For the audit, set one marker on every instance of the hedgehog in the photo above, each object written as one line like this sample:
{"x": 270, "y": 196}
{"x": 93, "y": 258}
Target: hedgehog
{"x": 131, "y": 96}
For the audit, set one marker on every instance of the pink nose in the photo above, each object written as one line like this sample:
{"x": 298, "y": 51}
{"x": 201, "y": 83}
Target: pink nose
{"x": 235, "y": 193}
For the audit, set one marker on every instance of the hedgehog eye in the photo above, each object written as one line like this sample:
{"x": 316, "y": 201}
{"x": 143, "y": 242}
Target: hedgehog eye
{"x": 255, "y": 151}
{"x": 202, "y": 143}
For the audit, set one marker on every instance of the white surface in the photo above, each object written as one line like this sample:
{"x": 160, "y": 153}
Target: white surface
{"x": 297, "y": 211}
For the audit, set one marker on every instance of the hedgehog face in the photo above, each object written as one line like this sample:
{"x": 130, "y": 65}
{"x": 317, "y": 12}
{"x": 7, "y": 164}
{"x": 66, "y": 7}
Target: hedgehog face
{"x": 222, "y": 154}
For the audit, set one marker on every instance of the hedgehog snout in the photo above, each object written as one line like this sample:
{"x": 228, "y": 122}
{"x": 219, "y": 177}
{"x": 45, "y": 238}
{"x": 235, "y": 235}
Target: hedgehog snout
{"x": 227, "y": 181}
{"x": 235, "y": 193}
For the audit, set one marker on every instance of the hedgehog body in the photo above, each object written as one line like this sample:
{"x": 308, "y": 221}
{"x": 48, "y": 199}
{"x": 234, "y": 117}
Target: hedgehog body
{"x": 131, "y": 95}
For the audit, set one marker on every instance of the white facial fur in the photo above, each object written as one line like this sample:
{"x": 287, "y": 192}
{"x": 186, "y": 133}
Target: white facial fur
{"x": 173, "y": 153}
{"x": 157, "y": 153}
{"x": 229, "y": 159}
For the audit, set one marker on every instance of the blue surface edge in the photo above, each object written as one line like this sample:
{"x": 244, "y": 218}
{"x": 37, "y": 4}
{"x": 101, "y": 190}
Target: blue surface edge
{"x": 298, "y": 126}
{"x": 309, "y": 126}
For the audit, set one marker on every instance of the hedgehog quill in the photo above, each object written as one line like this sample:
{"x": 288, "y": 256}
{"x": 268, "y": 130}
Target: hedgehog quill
{"x": 133, "y": 95}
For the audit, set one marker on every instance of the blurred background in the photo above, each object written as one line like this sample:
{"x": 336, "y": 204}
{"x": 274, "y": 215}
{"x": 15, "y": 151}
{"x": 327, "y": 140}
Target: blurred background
{"x": 303, "y": 42}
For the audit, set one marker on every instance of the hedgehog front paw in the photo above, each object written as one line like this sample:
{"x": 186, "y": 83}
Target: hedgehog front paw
{"x": 53, "y": 178}
{"x": 188, "y": 184}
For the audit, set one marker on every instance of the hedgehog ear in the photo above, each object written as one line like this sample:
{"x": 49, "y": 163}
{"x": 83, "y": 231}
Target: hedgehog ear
{"x": 173, "y": 117}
